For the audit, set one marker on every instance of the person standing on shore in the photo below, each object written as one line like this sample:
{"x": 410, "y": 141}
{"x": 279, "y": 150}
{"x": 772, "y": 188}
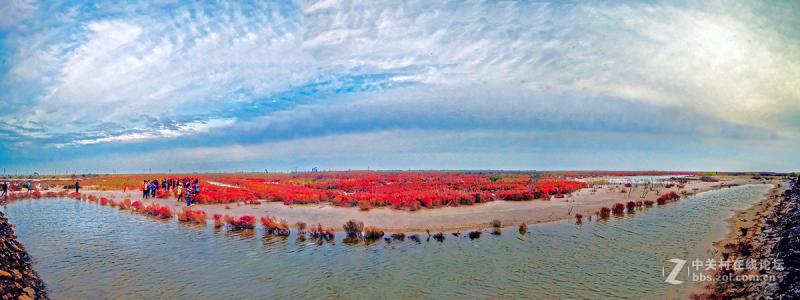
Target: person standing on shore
{"x": 77, "y": 186}
{"x": 5, "y": 189}
{"x": 196, "y": 186}
{"x": 180, "y": 194}
{"x": 188, "y": 193}
{"x": 145, "y": 189}
{"x": 30, "y": 186}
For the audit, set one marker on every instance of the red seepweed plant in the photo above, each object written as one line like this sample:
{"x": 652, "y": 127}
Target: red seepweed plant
{"x": 320, "y": 232}
{"x": 217, "y": 220}
{"x": 192, "y": 216}
{"x": 273, "y": 226}
{"x": 159, "y": 211}
{"x": 668, "y": 197}
{"x": 630, "y": 206}
{"x": 605, "y": 212}
{"x": 618, "y": 208}
{"x": 243, "y": 222}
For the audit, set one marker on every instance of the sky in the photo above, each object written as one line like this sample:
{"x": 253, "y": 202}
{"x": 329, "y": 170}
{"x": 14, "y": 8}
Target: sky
{"x": 125, "y": 86}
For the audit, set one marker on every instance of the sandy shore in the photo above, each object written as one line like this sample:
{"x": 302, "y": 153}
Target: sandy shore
{"x": 511, "y": 213}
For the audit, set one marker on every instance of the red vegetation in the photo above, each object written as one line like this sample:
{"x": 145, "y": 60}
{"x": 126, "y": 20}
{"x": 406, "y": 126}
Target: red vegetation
{"x": 618, "y": 208}
{"x": 630, "y": 206}
{"x": 668, "y": 197}
{"x": 243, "y": 222}
{"x": 399, "y": 190}
{"x": 214, "y": 194}
{"x": 160, "y": 211}
{"x": 136, "y": 205}
{"x": 192, "y": 216}
{"x": 217, "y": 220}
{"x": 605, "y": 212}
{"x": 273, "y": 226}
{"x": 578, "y": 218}
{"x": 319, "y": 232}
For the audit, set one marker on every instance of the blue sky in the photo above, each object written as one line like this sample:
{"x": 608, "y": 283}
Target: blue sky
{"x": 227, "y": 85}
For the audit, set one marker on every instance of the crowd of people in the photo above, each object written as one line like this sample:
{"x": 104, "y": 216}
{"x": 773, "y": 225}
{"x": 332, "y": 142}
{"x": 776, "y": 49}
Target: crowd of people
{"x": 186, "y": 188}
{"x": 5, "y": 187}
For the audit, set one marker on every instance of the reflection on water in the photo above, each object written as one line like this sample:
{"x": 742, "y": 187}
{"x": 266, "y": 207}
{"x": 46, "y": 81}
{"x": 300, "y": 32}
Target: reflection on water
{"x": 83, "y": 250}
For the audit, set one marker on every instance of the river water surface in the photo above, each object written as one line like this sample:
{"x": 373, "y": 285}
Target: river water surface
{"x": 86, "y": 251}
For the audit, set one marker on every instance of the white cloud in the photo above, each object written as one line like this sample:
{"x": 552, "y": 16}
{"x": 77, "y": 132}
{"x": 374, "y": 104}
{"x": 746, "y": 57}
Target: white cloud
{"x": 14, "y": 12}
{"x": 191, "y": 128}
{"x": 196, "y": 60}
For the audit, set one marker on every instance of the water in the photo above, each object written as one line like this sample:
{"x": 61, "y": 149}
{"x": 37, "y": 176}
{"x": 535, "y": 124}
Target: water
{"x": 86, "y": 251}
{"x": 659, "y": 179}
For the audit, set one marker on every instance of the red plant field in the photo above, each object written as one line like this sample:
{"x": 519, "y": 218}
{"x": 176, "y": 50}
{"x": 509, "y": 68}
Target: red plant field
{"x": 400, "y": 190}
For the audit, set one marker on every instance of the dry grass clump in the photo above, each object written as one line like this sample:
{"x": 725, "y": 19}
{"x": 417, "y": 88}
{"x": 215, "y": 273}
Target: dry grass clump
{"x": 372, "y": 233}
{"x": 353, "y": 227}
{"x": 496, "y": 225}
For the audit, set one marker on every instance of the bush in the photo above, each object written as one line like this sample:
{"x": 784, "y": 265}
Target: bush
{"x": 192, "y": 216}
{"x": 217, "y": 220}
{"x": 578, "y": 218}
{"x": 668, "y": 197}
{"x": 275, "y": 227}
{"x": 496, "y": 225}
{"x": 319, "y": 232}
{"x": 159, "y": 211}
{"x": 618, "y": 208}
{"x": 605, "y": 212}
{"x": 439, "y": 237}
{"x": 474, "y": 234}
{"x": 243, "y": 222}
{"x": 353, "y": 227}
{"x": 301, "y": 227}
{"x": 372, "y": 233}
{"x": 630, "y": 206}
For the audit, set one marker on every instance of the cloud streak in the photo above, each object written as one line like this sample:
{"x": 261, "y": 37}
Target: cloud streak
{"x": 107, "y": 76}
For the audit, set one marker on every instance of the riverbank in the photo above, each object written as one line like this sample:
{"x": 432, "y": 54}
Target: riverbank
{"x": 511, "y": 213}
{"x": 18, "y": 280}
{"x": 765, "y": 232}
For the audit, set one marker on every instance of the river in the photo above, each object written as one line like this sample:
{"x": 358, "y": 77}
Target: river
{"x": 86, "y": 251}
